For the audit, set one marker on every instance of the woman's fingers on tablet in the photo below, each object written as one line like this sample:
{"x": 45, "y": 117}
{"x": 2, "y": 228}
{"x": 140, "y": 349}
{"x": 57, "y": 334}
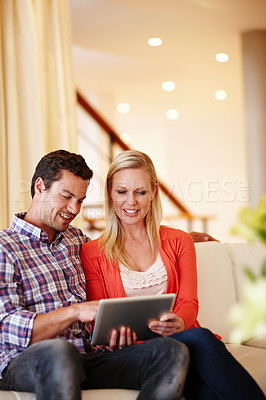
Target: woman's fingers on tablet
{"x": 169, "y": 317}
{"x": 123, "y": 337}
{"x": 119, "y": 340}
{"x": 113, "y": 340}
{"x": 160, "y": 329}
{"x": 167, "y": 325}
{"x": 134, "y": 337}
{"x": 131, "y": 337}
{"x": 127, "y": 337}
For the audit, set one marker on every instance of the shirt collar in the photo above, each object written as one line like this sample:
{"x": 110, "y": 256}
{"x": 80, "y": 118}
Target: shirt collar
{"x": 26, "y": 228}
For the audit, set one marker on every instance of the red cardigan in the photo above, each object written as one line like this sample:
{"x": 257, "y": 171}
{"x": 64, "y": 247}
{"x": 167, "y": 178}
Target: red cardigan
{"x": 178, "y": 254}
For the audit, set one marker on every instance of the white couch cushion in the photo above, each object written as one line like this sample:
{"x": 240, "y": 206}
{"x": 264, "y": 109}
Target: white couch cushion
{"x": 216, "y": 289}
{"x": 6, "y": 395}
{"x": 245, "y": 256}
{"x": 99, "y": 394}
{"x": 253, "y": 359}
{"x": 259, "y": 341}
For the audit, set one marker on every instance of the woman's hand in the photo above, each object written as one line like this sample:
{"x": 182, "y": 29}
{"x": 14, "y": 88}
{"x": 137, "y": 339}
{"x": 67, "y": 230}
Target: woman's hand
{"x": 125, "y": 337}
{"x": 168, "y": 324}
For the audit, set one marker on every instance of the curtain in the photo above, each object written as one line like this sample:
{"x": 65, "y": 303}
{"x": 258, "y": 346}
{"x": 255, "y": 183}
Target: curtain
{"x": 37, "y": 97}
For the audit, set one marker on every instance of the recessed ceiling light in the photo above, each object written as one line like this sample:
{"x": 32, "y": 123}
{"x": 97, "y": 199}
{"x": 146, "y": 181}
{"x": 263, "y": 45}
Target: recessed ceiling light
{"x": 220, "y": 94}
{"x": 168, "y": 86}
{"x": 172, "y": 114}
{"x": 155, "y": 41}
{"x": 123, "y": 108}
{"x": 222, "y": 57}
{"x": 125, "y": 137}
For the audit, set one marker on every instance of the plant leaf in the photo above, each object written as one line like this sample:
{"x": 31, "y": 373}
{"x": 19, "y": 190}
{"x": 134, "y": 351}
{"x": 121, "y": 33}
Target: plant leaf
{"x": 263, "y": 269}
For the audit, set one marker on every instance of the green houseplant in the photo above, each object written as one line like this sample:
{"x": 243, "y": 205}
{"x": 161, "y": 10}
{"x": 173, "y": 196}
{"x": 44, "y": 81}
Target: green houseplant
{"x": 248, "y": 317}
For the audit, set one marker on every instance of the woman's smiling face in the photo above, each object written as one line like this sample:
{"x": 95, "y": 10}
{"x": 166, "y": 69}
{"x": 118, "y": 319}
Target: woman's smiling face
{"x": 131, "y": 194}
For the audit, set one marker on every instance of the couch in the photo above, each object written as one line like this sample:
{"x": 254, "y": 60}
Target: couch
{"x": 220, "y": 282}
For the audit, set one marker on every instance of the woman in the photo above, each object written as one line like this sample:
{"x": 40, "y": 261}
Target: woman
{"x": 137, "y": 256}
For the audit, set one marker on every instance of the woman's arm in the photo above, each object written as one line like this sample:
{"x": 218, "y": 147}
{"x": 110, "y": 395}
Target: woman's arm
{"x": 93, "y": 276}
{"x": 179, "y": 256}
{"x": 186, "y": 305}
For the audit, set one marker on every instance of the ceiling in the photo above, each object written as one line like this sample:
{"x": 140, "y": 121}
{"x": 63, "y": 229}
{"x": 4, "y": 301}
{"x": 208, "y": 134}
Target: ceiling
{"x": 111, "y": 53}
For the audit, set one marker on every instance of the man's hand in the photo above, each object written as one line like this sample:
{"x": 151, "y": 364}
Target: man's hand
{"x": 86, "y": 312}
{"x": 202, "y": 237}
{"x": 167, "y": 325}
{"x": 125, "y": 337}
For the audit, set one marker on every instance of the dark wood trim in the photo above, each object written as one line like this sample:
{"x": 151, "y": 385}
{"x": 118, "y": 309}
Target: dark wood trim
{"x": 99, "y": 119}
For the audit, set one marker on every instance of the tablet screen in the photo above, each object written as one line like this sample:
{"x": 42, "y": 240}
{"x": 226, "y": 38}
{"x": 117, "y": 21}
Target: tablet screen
{"x": 134, "y": 312}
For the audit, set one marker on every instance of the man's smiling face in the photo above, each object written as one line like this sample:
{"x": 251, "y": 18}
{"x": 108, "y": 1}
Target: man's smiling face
{"x": 61, "y": 203}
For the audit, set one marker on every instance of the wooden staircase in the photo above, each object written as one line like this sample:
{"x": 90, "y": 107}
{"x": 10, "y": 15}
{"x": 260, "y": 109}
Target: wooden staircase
{"x": 93, "y": 213}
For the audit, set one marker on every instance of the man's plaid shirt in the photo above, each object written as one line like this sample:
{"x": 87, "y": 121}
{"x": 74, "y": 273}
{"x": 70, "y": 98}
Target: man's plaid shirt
{"x": 37, "y": 277}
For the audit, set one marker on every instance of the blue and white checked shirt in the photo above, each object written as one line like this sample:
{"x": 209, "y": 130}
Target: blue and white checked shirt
{"x": 37, "y": 277}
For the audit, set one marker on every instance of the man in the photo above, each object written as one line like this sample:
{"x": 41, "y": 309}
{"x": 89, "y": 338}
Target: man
{"x": 45, "y": 319}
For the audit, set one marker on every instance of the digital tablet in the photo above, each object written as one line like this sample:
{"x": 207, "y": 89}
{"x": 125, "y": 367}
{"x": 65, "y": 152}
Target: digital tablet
{"x": 134, "y": 312}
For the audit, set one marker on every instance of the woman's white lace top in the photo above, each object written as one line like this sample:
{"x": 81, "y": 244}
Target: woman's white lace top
{"x": 152, "y": 281}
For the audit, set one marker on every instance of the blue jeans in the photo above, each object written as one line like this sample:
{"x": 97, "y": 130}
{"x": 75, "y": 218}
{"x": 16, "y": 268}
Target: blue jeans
{"x": 214, "y": 373}
{"x": 54, "y": 369}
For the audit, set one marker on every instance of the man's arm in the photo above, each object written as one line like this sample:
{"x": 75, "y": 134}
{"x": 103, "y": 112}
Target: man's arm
{"x": 22, "y": 327}
{"x": 202, "y": 237}
{"x": 47, "y": 326}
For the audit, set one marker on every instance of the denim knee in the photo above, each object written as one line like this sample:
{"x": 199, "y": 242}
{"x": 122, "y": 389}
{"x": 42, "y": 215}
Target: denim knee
{"x": 166, "y": 345}
{"x": 169, "y": 350}
{"x": 60, "y": 372}
{"x": 167, "y": 369}
{"x": 58, "y": 350}
{"x": 196, "y": 336}
{"x": 48, "y": 364}
{"x": 200, "y": 334}
{"x": 173, "y": 348}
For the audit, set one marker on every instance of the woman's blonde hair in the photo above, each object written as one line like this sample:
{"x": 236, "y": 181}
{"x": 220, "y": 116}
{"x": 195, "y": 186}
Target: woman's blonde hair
{"x": 112, "y": 239}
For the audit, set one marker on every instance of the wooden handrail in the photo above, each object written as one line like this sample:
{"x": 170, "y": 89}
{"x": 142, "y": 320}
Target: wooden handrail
{"x": 98, "y": 118}
{"x": 116, "y": 139}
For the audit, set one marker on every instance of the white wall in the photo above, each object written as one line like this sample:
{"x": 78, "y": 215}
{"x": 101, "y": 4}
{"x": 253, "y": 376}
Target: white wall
{"x": 202, "y": 155}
